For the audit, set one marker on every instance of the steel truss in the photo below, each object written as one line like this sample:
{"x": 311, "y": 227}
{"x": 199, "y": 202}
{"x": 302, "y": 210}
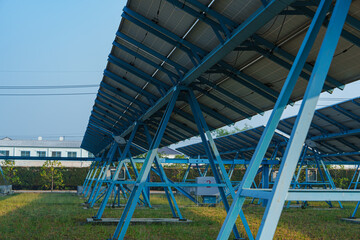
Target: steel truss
{"x": 326, "y": 181}
{"x": 280, "y": 191}
{"x": 355, "y": 181}
{"x": 214, "y": 161}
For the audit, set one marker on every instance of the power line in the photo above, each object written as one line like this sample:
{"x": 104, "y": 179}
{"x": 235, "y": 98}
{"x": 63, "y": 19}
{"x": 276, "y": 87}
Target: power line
{"x": 49, "y": 87}
{"x": 43, "y": 94}
{"x": 49, "y": 71}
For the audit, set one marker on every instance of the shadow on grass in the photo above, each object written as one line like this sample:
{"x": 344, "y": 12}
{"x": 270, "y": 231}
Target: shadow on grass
{"x": 60, "y": 216}
{"x": 6, "y": 197}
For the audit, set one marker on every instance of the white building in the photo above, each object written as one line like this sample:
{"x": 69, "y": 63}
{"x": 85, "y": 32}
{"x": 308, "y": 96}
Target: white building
{"x": 60, "y": 148}
{"x": 44, "y": 148}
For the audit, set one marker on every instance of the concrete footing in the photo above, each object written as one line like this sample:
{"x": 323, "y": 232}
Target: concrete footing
{"x": 352, "y": 220}
{"x": 6, "y": 189}
{"x": 79, "y": 189}
{"x": 138, "y": 220}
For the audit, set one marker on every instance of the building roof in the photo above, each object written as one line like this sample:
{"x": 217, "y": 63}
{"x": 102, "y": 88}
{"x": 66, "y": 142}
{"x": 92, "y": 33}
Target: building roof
{"x": 234, "y": 54}
{"x": 6, "y": 142}
{"x": 169, "y": 151}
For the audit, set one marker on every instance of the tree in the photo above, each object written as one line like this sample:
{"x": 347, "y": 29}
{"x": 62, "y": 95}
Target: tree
{"x": 52, "y": 175}
{"x": 10, "y": 172}
{"x": 224, "y": 132}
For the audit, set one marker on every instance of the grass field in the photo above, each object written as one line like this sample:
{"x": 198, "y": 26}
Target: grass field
{"x": 60, "y": 216}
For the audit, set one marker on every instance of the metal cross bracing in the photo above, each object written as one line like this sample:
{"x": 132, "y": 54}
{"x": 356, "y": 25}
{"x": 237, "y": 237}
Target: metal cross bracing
{"x": 162, "y": 46}
{"x": 354, "y": 183}
{"x": 151, "y": 157}
{"x": 155, "y": 55}
{"x": 280, "y": 191}
{"x": 318, "y": 164}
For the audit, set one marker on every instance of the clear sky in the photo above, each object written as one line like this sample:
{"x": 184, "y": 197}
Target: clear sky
{"x": 52, "y": 43}
{"x": 55, "y": 43}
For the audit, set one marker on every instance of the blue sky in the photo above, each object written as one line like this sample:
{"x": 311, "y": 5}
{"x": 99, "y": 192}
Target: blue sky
{"x": 52, "y": 43}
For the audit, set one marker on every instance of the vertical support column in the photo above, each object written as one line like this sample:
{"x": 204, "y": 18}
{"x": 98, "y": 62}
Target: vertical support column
{"x": 116, "y": 174}
{"x": 168, "y": 191}
{"x": 357, "y": 171}
{"x": 303, "y": 120}
{"x": 265, "y": 180}
{"x": 186, "y": 173}
{"x": 89, "y": 184}
{"x": 101, "y": 167}
{"x": 102, "y": 176}
{"x": 355, "y": 210}
{"x": 88, "y": 175}
{"x": 144, "y": 193}
{"x": 274, "y": 119}
{"x": 328, "y": 176}
{"x": 126, "y": 216}
{"x": 219, "y": 176}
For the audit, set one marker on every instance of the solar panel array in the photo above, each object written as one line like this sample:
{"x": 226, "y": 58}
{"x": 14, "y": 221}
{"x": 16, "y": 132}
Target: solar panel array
{"x": 240, "y": 145}
{"x": 334, "y": 134}
{"x": 163, "y": 43}
{"x": 334, "y": 129}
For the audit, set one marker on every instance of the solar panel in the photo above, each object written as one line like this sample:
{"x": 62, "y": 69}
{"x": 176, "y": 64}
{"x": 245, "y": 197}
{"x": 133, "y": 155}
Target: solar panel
{"x": 161, "y": 44}
{"x": 334, "y": 130}
{"x": 238, "y": 145}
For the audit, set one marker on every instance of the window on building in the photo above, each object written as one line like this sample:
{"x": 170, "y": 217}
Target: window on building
{"x": 41, "y": 153}
{"x": 90, "y": 155}
{"x": 25, "y": 153}
{"x": 4, "y": 153}
{"x": 56, "y": 154}
{"x": 71, "y": 154}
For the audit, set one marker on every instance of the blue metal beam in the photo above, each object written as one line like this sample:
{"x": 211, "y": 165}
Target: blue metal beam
{"x": 130, "y": 85}
{"x": 226, "y": 104}
{"x": 110, "y": 107}
{"x": 172, "y": 76}
{"x": 291, "y": 58}
{"x": 181, "y": 69}
{"x": 217, "y": 28}
{"x": 240, "y": 34}
{"x": 163, "y": 34}
{"x": 336, "y": 135}
{"x": 345, "y": 34}
{"x": 161, "y": 86}
{"x": 346, "y": 113}
{"x": 269, "y": 131}
{"x": 116, "y": 102}
{"x": 230, "y": 95}
{"x": 143, "y": 106}
{"x": 222, "y": 18}
{"x": 269, "y": 54}
{"x": 247, "y": 81}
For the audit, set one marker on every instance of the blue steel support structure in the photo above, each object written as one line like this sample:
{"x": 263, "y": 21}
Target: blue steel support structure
{"x": 240, "y": 34}
{"x": 112, "y": 184}
{"x": 168, "y": 191}
{"x": 99, "y": 181}
{"x": 141, "y": 180}
{"x": 277, "y": 196}
{"x": 94, "y": 174}
{"x": 88, "y": 176}
{"x": 219, "y": 175}
{"x": 355, "y": 181}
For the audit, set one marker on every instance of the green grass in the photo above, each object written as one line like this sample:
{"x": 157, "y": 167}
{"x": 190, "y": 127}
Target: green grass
{"x": 60, "y": 216}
